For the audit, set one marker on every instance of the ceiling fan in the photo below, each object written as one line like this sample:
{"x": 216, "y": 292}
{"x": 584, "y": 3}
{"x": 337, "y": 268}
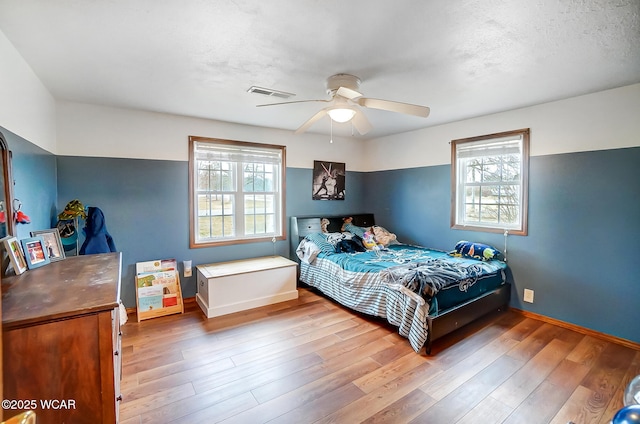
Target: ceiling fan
{"x": 346, "y": 101}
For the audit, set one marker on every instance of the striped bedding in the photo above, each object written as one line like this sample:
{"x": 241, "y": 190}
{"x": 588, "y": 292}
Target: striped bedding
{"x": 397, "y": 283}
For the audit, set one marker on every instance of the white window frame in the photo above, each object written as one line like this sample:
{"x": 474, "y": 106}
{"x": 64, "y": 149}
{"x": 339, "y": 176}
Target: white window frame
{"x": 494, "y": 146}
{"x": 235, "y": 154}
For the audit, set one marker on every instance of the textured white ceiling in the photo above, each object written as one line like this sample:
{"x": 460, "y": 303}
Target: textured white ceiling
{"x": 462, "y": 58}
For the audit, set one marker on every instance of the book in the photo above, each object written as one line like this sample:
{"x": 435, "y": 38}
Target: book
{"x": 165, "y": 281}
{"x": 150, "y": 291}
{"x": 150, "y": 303}
{"x": 169, "y": 300}
{"x": 157, "y": 278}
{"x": 156, "y": 266}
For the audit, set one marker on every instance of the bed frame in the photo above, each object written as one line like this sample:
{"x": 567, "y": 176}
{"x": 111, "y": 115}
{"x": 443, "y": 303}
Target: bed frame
{"x": 440, "y": 324}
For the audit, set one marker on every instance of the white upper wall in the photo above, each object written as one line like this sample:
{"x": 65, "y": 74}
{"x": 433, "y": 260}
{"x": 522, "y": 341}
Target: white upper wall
{"x": 100, "y": 131}
{"x": 605, "y": 120}
{"x": 599, "y": 121}
{"x": 27, "y": 108}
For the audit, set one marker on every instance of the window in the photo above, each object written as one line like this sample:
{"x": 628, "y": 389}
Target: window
{"x": 236, "y": 192}
{"x": 489, "y": 179}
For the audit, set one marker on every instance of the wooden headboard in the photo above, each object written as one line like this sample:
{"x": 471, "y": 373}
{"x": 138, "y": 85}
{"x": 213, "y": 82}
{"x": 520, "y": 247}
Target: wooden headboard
{"x": 303, "y": 225}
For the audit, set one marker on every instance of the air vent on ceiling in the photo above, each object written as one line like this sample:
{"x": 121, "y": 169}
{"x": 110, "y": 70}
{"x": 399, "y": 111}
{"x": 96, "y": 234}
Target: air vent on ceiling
{"x": 269, "y": 92}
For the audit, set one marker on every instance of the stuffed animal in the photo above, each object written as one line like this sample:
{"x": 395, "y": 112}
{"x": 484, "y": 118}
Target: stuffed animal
{"x": 369, "y": 240}
{"x": 382, "y": 236}
{"x": 347, "y": 226}
{"x": 345, "y": 222}
{"x": 479, "y": 251}
{"x": 324, "y": 225}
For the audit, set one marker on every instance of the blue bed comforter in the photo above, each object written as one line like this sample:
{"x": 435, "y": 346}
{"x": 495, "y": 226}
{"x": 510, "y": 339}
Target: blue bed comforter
{"x": 398, "y": 283}
{"x": 424, "y": 271}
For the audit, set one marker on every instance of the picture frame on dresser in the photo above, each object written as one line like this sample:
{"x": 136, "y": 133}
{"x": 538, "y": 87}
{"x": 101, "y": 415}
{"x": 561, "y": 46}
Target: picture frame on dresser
{"x": 52, "y": 242}
{"x": 16, "y": 256}
{"x": 35, "y": 252}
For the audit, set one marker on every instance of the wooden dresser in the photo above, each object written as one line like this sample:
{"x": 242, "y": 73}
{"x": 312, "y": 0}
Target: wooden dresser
{"x": 61, "y": 339}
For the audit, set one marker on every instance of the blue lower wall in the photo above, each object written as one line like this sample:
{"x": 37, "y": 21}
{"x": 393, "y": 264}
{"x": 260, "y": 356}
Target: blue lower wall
{"x": 35, "y": 183}
{"x": 579, "y": 256}
{"x": 146, "y": 210}
{"x": 584, "y": 223}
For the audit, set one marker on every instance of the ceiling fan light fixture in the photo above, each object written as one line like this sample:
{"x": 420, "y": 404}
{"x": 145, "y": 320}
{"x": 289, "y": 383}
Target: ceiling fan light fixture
{"x": 341, "y": 114}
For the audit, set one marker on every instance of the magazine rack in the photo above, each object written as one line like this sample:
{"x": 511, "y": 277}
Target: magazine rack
{"x": 158, "y": 290}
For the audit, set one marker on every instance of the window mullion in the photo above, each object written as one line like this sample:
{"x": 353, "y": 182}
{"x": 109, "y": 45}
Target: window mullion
{"x": 239, "y": 199}
{"x": 462, "y": 190}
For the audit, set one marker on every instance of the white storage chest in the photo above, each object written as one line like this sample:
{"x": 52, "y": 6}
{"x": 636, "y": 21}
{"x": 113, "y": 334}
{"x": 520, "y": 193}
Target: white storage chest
{"x": 228, "y": 287}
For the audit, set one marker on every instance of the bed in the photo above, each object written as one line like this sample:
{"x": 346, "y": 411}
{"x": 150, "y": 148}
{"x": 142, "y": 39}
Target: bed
{"x": 426, "y": 293}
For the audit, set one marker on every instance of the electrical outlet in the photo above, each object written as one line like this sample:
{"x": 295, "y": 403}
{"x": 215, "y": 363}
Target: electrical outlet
{"x": 528, "y": 295}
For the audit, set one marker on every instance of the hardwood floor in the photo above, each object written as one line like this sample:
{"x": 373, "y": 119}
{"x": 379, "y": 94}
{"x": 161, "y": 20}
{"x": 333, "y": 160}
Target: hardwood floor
{"x": 310, "y": 360}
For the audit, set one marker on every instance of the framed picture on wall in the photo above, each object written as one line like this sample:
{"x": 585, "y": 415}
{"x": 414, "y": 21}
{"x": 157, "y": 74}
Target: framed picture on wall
{"x": 328, "y": 180}
{"x": 16, "y": 256}
{"x": 52, "y": 243}
{"x": 35, "y": 252}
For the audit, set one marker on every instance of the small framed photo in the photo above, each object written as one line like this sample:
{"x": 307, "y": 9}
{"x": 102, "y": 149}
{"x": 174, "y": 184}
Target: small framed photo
{"x": 35, "y": 251}
{"x": 16, "y": 256}
{"x": 52, "y": 243}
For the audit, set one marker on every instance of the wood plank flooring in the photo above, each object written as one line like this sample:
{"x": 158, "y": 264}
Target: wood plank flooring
{"x": 312, "y": 361}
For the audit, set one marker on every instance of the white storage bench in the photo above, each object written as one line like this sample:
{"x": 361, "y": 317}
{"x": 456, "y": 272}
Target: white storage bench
{"x": 227, "y": 287}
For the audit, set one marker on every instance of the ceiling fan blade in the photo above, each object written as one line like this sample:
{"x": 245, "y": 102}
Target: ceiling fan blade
{"x": 398, "y": 107}
{"x": 361, "y": 123}
{"x": 312, "y": 121}
{"x": 348, "y": 93}
{"x": 296, "y": 101}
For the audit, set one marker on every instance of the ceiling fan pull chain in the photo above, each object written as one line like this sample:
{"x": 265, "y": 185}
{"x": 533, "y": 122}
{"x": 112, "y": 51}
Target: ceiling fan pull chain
{"x": 331, "y": 138}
